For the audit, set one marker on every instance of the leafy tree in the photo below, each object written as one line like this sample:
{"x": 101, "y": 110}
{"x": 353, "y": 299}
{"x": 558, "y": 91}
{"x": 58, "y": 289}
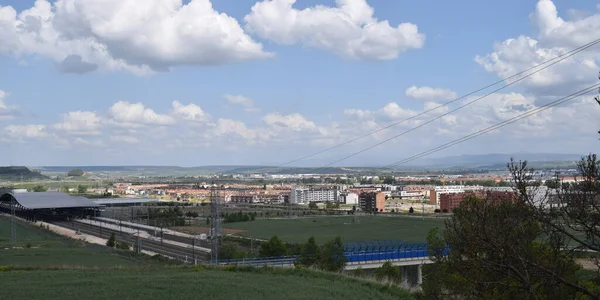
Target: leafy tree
{"x": 112, "y": 240}
{"x": 39, "y": 188}
{"x": 75, "y": 173}
{"x": 332, "y": 257}
{"x": 388, "y": 272}
{"x": 229, "y": 250}
{"x": 273, "y": 247}
{"x": 312, "y": 205}
{"x": 309, "y": 255}
{"x": 81, "y": 189}
{"x": 497, "y": 253}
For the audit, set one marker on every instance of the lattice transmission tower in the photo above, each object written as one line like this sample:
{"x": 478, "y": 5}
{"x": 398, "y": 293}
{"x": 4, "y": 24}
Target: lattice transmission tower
{"x": 215, "y": 226}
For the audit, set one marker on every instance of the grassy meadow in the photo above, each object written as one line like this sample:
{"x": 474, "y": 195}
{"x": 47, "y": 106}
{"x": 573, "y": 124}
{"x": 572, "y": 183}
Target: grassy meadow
{"x": 409, "y": 229}
{"x": 40, "y": 248}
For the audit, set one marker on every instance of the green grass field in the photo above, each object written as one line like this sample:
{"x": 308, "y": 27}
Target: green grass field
{"x": 369, "y": 228}
{"x": 37, "y": 247}
{"x": 183, "y": 283}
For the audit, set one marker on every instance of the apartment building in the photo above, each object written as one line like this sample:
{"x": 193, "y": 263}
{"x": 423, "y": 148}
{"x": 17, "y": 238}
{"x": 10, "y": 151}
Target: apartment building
{"x": 303, "y": 195}
{"x": 371, "y": 201}
{"x": 349, "y": 198}
{"x": 450, "y": 201}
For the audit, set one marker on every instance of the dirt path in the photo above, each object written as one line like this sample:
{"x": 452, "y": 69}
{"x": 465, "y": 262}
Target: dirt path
{"x": 587, "y": 264}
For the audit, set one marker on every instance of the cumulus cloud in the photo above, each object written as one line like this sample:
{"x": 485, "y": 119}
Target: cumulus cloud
{"x": 75, "y": 64}
{"x": 246, "y": 102}
{"x": 429, "y": 93}
{"x": 349, "y": 29}
{"x": 294, "y": 122}
{"x": 555, "y": 36}
{"x": 127, "y": 114}
{"x": 7, "y": 112}
{"x": 190, "y": 112}
{"x": 228, "y": 128}
{"x": 25, "y": 132}
{"x": 125, "y": 34}
{"x": 80, "y": 123}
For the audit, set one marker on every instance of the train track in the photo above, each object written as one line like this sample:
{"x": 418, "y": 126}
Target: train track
{"x": 166, "y": 236}
{"x": 165, "y": 249}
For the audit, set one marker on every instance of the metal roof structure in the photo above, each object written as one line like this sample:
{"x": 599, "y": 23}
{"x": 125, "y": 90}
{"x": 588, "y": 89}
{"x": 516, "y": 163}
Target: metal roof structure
{"x": 111, "y": 201}
{"x": 47, "y": 200}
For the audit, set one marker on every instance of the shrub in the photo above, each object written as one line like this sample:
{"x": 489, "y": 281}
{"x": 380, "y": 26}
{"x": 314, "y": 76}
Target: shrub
{"x": 112, "y": 241}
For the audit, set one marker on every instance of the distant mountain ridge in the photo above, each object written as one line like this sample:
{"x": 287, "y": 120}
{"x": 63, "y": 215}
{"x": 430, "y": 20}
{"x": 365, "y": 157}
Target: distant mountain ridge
{"x": 496, "y": 159}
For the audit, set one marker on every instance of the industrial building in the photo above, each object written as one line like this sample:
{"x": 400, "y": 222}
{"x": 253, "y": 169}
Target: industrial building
{"x": 46, "y": 205}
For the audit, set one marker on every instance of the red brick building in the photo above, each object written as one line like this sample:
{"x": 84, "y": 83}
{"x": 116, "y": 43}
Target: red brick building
{"x": 451, "y": 201}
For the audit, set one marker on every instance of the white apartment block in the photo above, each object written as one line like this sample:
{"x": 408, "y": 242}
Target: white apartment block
{"x": 302, "y": 195}
{"x": 349, "y": 198}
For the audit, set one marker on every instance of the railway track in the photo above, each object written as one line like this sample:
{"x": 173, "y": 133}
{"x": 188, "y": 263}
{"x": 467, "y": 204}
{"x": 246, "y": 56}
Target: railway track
{"x": 166, "y": 236}
{"x": 165, "y": 249}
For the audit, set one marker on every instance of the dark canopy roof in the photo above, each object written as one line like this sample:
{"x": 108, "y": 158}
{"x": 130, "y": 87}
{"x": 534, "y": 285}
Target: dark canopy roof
{"x": 48, "y": 200}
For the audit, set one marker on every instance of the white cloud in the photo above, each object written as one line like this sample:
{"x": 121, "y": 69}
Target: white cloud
{"x": 24, "y": 132}
{"x": 125, "y": 34}
{"x": 555, "y": 36}
{"x": 7, "y": 112}
{"x": 349, "y": 29}
{"x": 246, "y": 102}
{"x": 80, "y": 123}
{"x": 190, "y": 112}
{"x": 293, "y": 122}
{"x": 124, "y": 139}
{"x": 127, "y": 114}
{"x": 227, "y": 128}
{"x": 429, "y": 93}
{"x": 394, "y": 111}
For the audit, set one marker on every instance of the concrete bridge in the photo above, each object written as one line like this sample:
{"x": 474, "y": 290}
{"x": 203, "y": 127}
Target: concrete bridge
{"x": 369, "y": 255}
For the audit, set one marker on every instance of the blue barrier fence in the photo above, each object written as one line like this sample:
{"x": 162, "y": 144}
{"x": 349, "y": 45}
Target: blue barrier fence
{"x": 354, "y": 252}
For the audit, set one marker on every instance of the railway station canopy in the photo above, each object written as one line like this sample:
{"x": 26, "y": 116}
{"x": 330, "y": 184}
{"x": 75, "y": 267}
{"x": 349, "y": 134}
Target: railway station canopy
{"x": 46, "y": 200}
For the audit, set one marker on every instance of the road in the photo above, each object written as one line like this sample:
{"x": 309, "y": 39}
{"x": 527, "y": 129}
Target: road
{"x": 169, "y": 250}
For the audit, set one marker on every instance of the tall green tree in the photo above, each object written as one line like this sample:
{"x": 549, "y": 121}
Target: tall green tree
{"x": 309, "y": 255}
{"x": 497, "y": 252}
{"x": 81, "y": 189}
{"x": 332, "y": 257}
{"x": 273, "y": 247}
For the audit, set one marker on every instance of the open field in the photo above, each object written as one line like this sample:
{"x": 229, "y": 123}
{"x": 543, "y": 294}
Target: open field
{"x": 409, "y": 229}
{"x": 37, "y": 247}
{"x": 182, "y": 283}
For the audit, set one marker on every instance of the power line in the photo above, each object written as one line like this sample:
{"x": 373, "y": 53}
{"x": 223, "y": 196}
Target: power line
{"x": 496, "y": 126}
{"x": 560, "y": 57}
{"x": 462, "y": 106}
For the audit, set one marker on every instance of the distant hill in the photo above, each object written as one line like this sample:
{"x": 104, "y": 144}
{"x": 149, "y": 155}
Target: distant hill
{"x": 17, "y": 173}
{"x": 499, "y": 160}
{"x": 203, "y": 170}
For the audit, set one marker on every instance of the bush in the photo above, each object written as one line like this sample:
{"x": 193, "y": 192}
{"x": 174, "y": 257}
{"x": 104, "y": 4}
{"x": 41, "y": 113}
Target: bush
{"x": 437, "y": 211}
{"x": 123, "y": 246}
{"x": 112, "y": 241}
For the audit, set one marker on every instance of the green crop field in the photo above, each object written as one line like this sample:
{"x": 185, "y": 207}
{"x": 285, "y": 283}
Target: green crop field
{"x": 409, "y": 229}
{"x": 37, "y": 247}
{"x": 183, "y": 283}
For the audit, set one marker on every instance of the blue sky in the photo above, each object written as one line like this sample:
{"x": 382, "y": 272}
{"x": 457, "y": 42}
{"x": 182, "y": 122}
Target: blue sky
{"x": 288, "y": 89}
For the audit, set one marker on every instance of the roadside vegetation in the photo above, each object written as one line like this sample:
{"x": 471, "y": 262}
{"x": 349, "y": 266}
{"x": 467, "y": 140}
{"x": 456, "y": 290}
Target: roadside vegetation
{"x": 530, "y": 248}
